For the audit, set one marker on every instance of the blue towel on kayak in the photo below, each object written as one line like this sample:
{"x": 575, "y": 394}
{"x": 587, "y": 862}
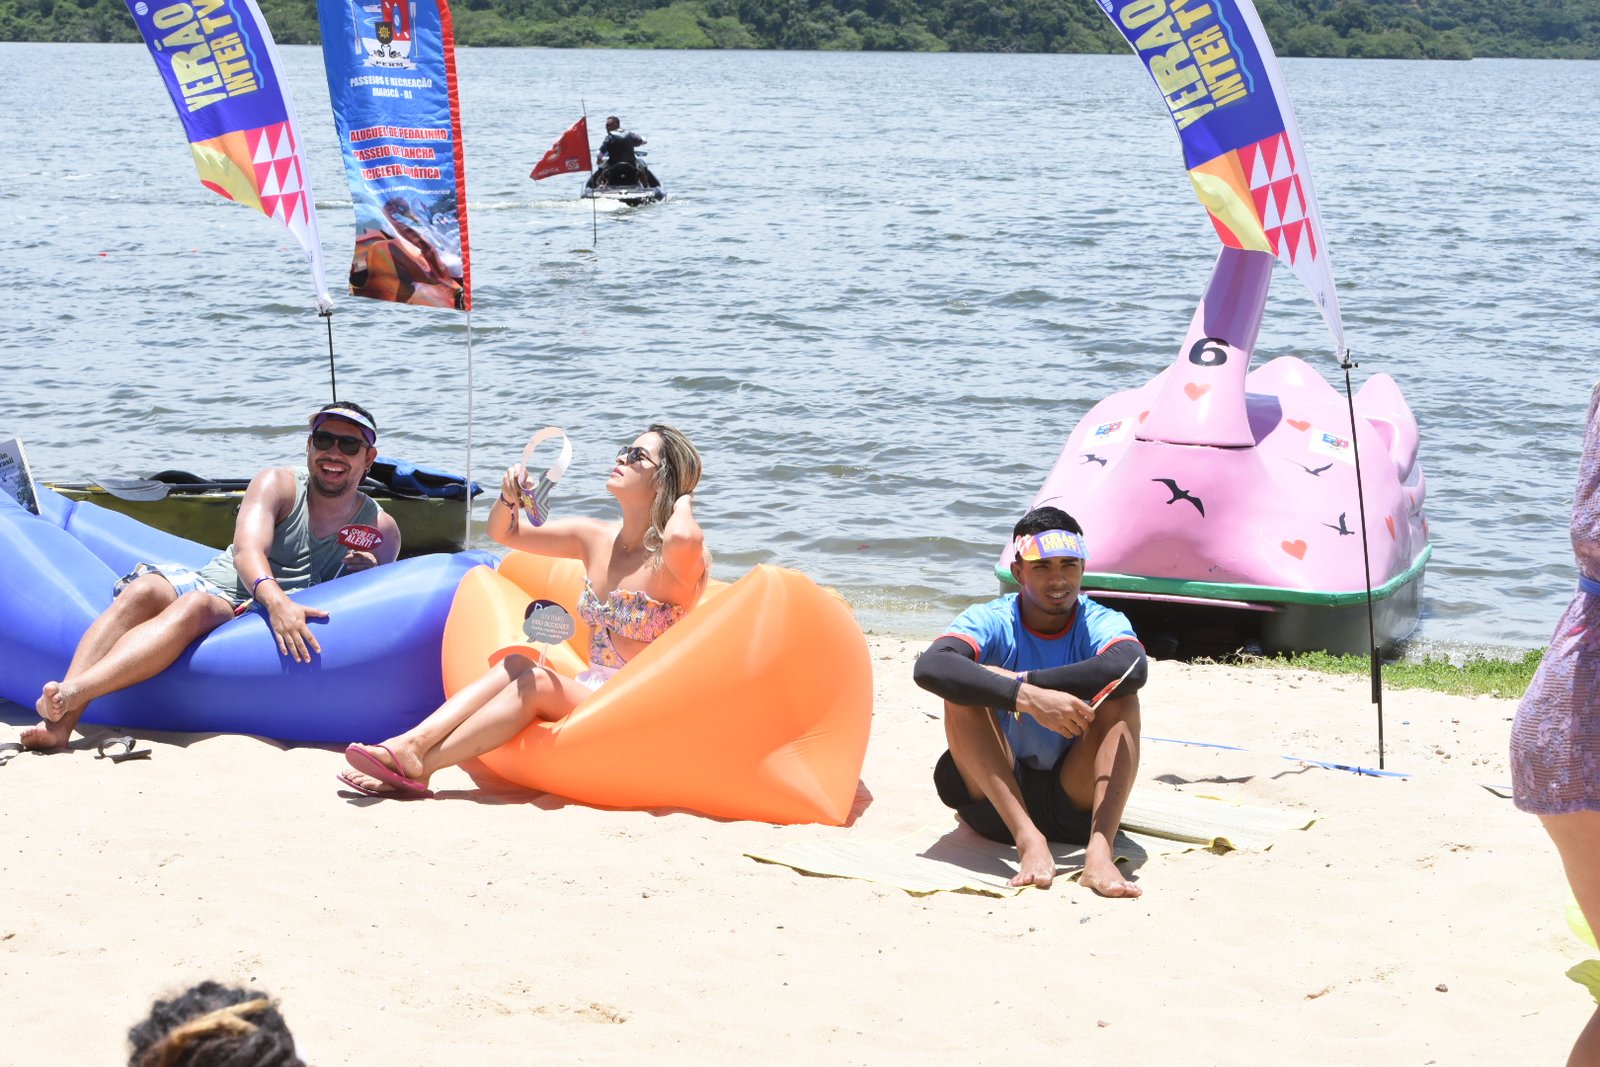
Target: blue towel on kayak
{"x": 412, "y": 479}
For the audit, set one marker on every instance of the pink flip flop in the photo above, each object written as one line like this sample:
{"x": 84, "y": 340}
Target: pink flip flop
{"x": 373, "y": 767}
{"x": 347, "y": 777}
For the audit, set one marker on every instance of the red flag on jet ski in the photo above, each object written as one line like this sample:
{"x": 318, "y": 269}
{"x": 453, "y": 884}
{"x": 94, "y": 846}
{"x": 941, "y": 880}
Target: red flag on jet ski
{"x": 569, "y": 155}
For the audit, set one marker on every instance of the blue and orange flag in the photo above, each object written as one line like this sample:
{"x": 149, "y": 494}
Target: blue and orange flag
{"x": 392, "y": 82}
{"x": 220, "y": 66}
{"x": 1217, "y": 74}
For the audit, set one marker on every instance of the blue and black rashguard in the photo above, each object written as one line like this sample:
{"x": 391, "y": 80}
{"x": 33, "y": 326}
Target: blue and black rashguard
{"x": 1094, "y": 650}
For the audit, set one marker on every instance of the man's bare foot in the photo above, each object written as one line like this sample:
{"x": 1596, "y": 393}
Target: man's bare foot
{"x": 55, "y": 701}
{"x": 47, "y": 735}
{"x": 1107, "y": 880}
{"x": 1036, "y": 863}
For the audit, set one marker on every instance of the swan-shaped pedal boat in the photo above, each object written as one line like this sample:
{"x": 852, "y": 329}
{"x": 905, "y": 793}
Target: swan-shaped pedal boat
{"x": 1220, "y": 506}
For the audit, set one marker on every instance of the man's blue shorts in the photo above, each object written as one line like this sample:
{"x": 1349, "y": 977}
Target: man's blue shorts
{"x": 1047, "y": 803}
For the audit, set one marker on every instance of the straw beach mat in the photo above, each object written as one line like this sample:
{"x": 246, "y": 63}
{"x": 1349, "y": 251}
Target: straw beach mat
{"x": 945, "y": 859}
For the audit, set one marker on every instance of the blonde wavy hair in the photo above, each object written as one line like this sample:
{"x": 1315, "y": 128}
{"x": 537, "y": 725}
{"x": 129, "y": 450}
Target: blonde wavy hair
{"x": 676, "y": 476}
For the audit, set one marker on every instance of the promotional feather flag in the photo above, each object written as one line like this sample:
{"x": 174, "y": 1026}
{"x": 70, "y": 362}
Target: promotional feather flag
{"x": 392, "y": 82}
{"x": 220, "y": 67}
{"x": 569, "y": 155}
{"x": 1217, "y": 74}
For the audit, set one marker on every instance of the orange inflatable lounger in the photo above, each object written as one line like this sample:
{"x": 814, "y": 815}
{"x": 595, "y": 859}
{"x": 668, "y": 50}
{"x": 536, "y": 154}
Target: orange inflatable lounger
{"x": 756, "y": 705}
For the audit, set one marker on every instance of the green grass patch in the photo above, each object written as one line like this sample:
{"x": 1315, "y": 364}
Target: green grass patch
{"x": 1473, "y": 676}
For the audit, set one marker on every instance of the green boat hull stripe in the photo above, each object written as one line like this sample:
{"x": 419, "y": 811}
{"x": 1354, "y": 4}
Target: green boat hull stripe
{"x": 1260, "y": 594}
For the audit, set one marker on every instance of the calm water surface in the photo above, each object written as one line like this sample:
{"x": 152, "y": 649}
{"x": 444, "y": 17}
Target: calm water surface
{"x": 884, "y": 290}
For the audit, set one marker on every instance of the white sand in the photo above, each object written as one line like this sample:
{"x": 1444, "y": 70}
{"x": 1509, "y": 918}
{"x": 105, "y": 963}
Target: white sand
{"x": 1418, "y": 921}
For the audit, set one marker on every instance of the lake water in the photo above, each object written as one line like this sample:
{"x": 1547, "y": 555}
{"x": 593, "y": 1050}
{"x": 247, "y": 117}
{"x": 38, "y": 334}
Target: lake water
{"x": 883, "y": 291}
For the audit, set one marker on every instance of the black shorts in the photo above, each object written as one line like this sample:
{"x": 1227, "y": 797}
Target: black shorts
{"x": 1046, "y": 802}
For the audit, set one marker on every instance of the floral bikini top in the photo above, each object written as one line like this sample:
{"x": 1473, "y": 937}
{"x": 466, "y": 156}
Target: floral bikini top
{"x": 630, "y": 612}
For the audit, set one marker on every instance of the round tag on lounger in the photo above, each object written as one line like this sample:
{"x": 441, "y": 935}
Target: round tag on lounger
{"x": 536, "y": 502}
{"x": 359, "y": 537}
{"x": 546, "y": 622}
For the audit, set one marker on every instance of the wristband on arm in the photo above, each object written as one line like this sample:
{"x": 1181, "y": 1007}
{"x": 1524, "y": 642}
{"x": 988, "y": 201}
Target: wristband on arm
{"x": 257, "y": 584}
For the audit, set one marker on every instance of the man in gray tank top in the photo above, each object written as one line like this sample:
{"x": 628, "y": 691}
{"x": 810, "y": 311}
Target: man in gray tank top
{"x": 287, "y": 537}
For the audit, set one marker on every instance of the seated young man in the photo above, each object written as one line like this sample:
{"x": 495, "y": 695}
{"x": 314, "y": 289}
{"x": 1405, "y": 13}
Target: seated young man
{"x": 1031, "y": 759}
{"x": 286, "y": 538}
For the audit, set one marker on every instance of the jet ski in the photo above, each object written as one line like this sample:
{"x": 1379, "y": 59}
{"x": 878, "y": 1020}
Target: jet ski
{"x": 625, "y": 183}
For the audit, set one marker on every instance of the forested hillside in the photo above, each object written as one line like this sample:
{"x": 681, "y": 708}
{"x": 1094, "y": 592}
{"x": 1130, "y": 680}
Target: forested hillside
{"x": 1395, "y": 29}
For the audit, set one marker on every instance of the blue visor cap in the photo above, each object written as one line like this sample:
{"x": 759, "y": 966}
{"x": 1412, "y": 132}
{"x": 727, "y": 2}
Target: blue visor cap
{"x": 1052, "y": 544}
{"x": 355, "y": 418}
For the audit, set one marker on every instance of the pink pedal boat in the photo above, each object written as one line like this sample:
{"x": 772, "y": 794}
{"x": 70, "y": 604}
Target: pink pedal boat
{"x": 1220, "y": 506}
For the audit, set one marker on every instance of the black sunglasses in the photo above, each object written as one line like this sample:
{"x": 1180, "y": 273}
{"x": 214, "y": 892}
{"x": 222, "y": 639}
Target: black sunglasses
{"x": 631, "y": 454}
{"x": 323, "y": 440}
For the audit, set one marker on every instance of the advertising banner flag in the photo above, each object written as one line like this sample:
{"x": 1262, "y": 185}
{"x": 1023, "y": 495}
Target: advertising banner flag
{"x": 220, "y": 67}
{"x": 392, "y": 81}
{"x": 569, "y": 155}
{"x": 1216, "y": 72}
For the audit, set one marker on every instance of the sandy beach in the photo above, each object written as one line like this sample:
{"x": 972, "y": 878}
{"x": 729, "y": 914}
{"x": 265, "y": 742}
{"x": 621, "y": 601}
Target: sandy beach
{"x": 1418, "y": 920}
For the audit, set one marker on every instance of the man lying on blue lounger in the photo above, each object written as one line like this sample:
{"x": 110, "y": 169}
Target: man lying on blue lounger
{"x": 287, "y": 537}
{"x": 1040, "y": 710}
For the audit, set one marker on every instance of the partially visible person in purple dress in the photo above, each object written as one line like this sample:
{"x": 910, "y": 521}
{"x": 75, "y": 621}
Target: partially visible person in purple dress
{"x": 1555, "y": 741}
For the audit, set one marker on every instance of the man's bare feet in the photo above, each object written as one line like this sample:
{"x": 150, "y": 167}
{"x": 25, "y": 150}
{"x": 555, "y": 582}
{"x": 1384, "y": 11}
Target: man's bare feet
{"x": 1036, "y": 863}
{"x": 47, "y": 735}
{"x": 55, "y": 701}
{"x": 1107, "y": 880}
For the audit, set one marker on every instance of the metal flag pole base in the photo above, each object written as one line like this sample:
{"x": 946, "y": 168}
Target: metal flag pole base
{"x": 1366, "y": 554}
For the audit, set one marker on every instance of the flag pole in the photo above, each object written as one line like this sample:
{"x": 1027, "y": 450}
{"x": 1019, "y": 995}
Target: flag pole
{"x": 333, "y": 382}
{"x": 466, "y": 540}
{"x": 1376, "y": 660}
{"x": 594, "y": 204}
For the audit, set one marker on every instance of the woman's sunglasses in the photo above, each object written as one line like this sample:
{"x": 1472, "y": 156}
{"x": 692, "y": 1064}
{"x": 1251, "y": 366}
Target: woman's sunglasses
{"x": 631, "y": 454}
{"x": 323, "y": 441}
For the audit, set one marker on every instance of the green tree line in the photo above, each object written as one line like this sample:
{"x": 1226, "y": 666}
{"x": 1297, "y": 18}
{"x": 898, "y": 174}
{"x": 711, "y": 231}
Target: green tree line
{"x": 1387, "y": 29}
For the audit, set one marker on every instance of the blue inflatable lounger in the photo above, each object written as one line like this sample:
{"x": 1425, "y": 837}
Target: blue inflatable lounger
{"x": 378, "y": 673}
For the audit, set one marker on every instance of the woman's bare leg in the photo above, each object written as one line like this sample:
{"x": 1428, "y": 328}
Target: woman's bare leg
{"x": 486, "y": 714}
{"x": 1577, "y": 838}
{"x": 540, "y": 693}
{"x": 408, "y": 748}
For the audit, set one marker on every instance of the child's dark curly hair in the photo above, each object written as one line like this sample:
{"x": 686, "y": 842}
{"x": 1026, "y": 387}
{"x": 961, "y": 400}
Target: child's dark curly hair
{"x": 213, "y": 1025}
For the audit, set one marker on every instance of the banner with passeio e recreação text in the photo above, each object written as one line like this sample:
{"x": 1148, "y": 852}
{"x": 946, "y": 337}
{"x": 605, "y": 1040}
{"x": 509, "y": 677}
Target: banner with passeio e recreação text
{"x": 392, "y": 83}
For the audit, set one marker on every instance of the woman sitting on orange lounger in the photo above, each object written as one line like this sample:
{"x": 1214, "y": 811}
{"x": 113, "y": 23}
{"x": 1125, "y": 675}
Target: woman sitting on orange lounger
{"x": 642, "y": 574}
